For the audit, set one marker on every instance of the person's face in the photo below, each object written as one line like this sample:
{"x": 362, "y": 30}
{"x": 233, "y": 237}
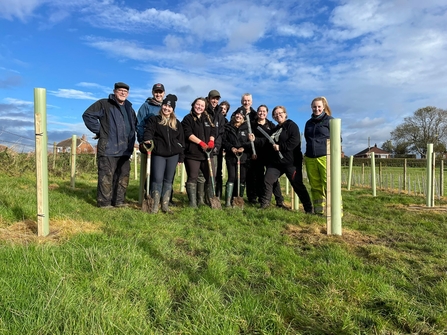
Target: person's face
{"x": 199, "y": 107}
{"x": 317, "y": 107}
{"x": 214, "y": 101}
{"x": 224, "y": 110}
{"x": 121, "y": 95}
{"x": 158, "y": 95}
{"x": 238, "y": 118}
{"x": 262, "y": 113}
{"x": 247, "y": 102}
{"x": 166, "y": 110}
{"x": 279, "y": 115}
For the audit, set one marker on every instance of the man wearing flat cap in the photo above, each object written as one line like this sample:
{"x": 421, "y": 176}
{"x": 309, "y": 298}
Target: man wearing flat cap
{"x": 113, "y": 121}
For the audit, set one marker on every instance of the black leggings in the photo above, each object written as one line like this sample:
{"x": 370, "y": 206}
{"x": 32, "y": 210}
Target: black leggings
{"x": 232, "y": 172}
{"x": 193, "y": 167}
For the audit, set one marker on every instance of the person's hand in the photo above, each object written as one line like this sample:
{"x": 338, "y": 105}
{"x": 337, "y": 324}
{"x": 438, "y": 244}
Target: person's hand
{"x": 210, "y": 144}
{"x": 251, "y": 137}
{"x": 240, "y": 150}
{"x": 203, "y": 145}
{"x": 276, "y": 147}
{"x": 142, "y": 148}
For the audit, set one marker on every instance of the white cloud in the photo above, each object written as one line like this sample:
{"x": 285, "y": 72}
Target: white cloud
{"x": 72, "y": 94}
{"x": 20, "y": 9}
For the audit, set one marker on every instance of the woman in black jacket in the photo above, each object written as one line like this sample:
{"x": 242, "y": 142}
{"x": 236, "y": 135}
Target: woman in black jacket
{"x": 165, "y": 132}
{"x": 200, "y": 133}
{"x": 236, "y": 142}
{"x": 287, "y": 142}
{"x": 256, "y": 171}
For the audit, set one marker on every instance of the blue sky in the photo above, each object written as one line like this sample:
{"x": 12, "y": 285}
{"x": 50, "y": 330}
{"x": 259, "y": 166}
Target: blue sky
{"x": 375, "y": 61}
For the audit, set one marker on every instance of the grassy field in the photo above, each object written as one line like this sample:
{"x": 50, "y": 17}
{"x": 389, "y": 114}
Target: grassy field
{"x": 207, "y": 271}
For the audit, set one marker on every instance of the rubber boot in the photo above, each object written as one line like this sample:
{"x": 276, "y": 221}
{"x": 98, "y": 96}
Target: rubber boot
{"x": 200, "y": 194}
{"x": 156, "y": 195}
{"x": 167, "y": 191}
{"x": 219, "y": 189}
{"x": 228, "y": 194}
{"x": 156, "y": 198}
{"x": 191, "y": 190}
{"x": 242, "y": 190}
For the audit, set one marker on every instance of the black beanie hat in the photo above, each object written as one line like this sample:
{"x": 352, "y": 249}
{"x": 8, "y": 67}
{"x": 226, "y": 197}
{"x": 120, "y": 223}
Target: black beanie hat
{"x": 170, "y": 100}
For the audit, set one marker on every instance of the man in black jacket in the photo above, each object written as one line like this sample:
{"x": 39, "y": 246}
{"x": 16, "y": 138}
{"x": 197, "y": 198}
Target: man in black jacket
{"x": 113, "y": 121}
{"x": 212, "y": 108}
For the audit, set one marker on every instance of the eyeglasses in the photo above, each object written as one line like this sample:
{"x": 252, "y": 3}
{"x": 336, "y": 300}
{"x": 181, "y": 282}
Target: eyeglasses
{"x": 122, "y": 90}
{"x": 278, "y": 113}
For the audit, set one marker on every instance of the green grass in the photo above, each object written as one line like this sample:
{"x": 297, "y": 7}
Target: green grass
{"x": 206, "y": 271}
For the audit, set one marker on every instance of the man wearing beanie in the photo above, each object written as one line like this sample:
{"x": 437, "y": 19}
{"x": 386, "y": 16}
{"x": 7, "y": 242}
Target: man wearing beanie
{"x": 113, "y": 121}
{"x": 212, "y": 108}
{"x": 149, "y": 108}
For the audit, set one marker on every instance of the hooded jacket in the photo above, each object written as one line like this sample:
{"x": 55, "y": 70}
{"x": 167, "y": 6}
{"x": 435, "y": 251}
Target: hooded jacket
{"x": 105, "y": 119}
{"x": 316, "y": 132}
{"x": 149, "y": 108}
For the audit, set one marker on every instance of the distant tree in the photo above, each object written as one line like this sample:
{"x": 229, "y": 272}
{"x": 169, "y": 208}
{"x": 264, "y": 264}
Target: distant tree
{"x": 388, "y": 146}
{"x": 427, "y": 125}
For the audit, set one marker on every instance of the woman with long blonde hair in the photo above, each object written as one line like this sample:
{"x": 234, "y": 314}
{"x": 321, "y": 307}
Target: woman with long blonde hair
{"x": 165, "y": 132}
{"x": 316, "y": 132}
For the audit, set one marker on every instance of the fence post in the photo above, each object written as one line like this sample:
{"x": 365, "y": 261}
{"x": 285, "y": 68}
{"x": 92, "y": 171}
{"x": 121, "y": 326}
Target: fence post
{"x": 351, "y": 163}
{"x": 54, "y": 154}
{"x": 373, "y": 174}
{"x": 405, "y": 175}
{"x": 135, "y": 163}
{"x": 441, "y": 179}
{"x": 73, "y": 161}
{"x": 41, "y": 138}
{"x": 429, "y": 167}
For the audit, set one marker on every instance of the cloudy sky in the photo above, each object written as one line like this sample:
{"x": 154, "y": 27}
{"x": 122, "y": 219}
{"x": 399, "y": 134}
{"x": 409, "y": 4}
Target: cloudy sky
{"x": 375, "y": 61}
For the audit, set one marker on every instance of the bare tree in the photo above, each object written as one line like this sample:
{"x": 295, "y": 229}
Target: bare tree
{"x": 427, "y": 125}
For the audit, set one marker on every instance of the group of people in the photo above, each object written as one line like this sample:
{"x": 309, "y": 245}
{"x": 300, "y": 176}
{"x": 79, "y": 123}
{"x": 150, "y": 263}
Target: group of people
{"x": 256, "y": 150}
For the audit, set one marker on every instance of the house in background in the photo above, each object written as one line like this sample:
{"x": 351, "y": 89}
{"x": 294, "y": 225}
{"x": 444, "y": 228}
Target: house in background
{"x": 377, "y": 152}
{"x": 82, "y": 146}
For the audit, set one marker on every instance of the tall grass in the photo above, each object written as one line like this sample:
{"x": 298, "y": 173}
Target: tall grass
{"x": 206, "y": 271}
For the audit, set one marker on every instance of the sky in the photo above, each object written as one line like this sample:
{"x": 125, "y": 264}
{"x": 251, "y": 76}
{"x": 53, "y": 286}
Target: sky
{"x": 376, "y": 62}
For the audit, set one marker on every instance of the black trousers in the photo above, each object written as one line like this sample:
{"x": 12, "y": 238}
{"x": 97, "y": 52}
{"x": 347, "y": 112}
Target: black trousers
{"x": 255, "y": 183}
{"x": 296, "y": 180}
{"x": 113, "y": 179}
{"x": 193, "y": 168}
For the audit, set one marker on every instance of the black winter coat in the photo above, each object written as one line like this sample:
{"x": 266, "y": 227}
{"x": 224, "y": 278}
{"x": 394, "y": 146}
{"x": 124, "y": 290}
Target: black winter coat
{"x": 104, "y": 118}
{"x": 289, "y": 140}
{"x": 167, "y": 141}
{"x": 202, "y": 129}
{"x": 316, "y": 132}
{"x": 219, "y": 122}
{"x": 236, "y": 138}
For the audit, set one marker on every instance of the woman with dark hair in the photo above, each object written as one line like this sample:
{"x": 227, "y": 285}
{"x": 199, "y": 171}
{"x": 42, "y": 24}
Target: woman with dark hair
{"x": 287, "y": 142}
{"x": 165, "y": 132}
{"x": 316, "y": 132}
{"x": 199, "y": 133}
{"x": 236, "y": 142}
